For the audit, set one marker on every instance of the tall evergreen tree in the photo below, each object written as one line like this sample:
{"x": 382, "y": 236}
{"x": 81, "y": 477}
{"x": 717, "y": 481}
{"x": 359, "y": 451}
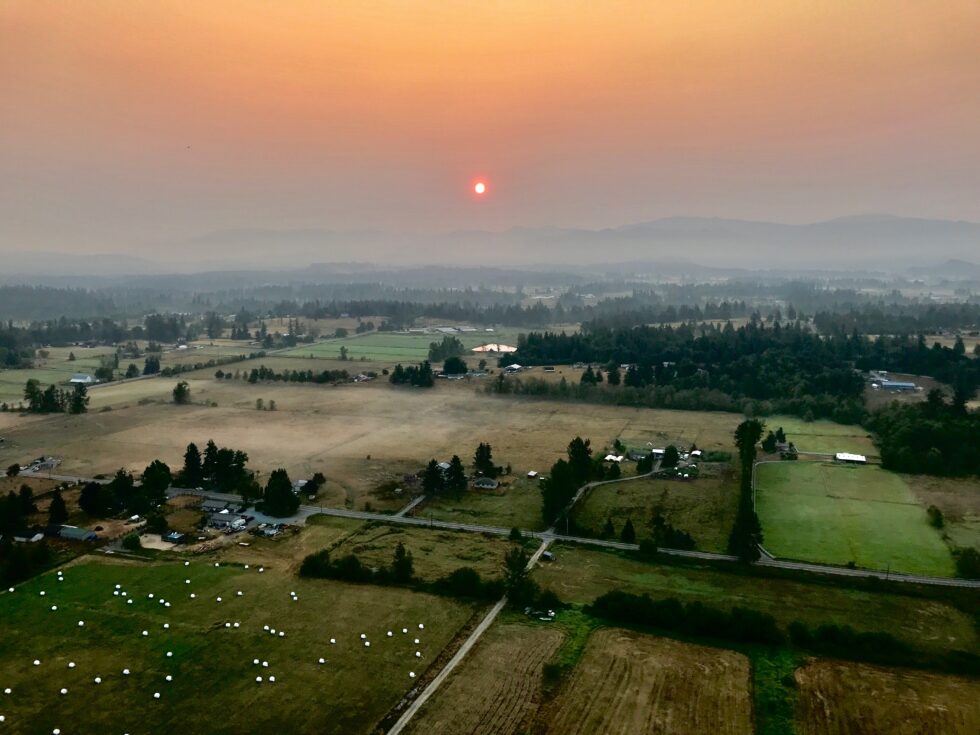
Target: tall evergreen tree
{"x": 57, "y": 511}
{"x": 456, "y": 477}
{"x": 191, "y": 475}
{"x": 280, "y": 500}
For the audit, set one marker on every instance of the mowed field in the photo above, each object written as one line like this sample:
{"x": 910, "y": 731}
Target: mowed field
{"x": 835, "y": 514}
{"x": 823, "y": 437}
{"x": 496, "y": 690}
{"x": 54, "y": 369}
{"x": 213, "y": 687}
{"x": 335, "y": 429}
{"x": 704, "y": 508}
{"x": 959, "y": 501}
{"x": 628, "y": 683}
{"x": 515, "y": 503}
{"x": 405, "y": 347}
{"x": 838, "y": 698}
{"x": 580, "y": 575}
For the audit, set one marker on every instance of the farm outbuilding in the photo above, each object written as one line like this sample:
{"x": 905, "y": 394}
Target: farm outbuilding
{"x": 485, "y": 483}
{"x": 850, "y": 458}
{"x": 74, "y": 533}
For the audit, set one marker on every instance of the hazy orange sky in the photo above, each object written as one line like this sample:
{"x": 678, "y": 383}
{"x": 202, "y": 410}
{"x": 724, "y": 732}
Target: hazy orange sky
{"x": 125, "y": 122}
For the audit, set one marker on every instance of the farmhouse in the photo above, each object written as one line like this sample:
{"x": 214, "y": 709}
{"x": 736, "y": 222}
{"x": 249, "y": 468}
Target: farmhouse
{"x": 227, "y": 521}
{"x": 82, "y": 379}
{"x": 850, "y": 458}
{"x": 485, "y": 483}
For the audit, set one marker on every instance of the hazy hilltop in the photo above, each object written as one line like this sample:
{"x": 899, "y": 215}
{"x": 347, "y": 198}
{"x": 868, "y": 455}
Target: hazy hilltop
{"x": 878, "y": 242}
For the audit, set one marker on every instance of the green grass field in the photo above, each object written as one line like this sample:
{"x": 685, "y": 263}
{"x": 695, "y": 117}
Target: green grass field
{"x": 823, "y": 512}
{"x": 579, "y": 575}
{"x": 823, "y": 437}
{"x": 213, "y": 688}
{"x": 54, "y": 369}
{"x": 393, "y": 347}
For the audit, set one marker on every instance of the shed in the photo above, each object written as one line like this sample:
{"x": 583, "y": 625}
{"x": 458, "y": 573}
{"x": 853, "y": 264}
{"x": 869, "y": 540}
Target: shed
{"x": 532, "y": 474}
{"x": 850, "y": 458}
{"x": 617, "y": 458}
{"x": 485, "y": 483}
{"x": 74, "y": 533}
{"x": 82, "y": 379}
{"x": 175, "y": 537}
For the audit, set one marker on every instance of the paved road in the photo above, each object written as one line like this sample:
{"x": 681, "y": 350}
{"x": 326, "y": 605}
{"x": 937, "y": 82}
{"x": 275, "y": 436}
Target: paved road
{"x": 305, "y": 511}
{"x": 467, "y": 646}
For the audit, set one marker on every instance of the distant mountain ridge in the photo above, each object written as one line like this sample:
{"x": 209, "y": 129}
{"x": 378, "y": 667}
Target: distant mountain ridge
{"x": 874, "y": 241}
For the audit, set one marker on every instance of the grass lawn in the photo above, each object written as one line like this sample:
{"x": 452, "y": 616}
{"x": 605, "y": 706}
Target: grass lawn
{"x": 517, "y": 502}
{"x": 825, "y": 512}
{"x": 705, "y": 507}
{"x": 213, "y": 688}
{"x": 579, "y": 575}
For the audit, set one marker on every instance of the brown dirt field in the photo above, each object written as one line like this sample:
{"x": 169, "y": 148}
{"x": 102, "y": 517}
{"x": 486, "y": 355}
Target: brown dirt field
{"x": 838, "y": 698}
{"x": 334, "y": 429}
{"x": 496, "y": 689}
{"x": 627, "y": 683}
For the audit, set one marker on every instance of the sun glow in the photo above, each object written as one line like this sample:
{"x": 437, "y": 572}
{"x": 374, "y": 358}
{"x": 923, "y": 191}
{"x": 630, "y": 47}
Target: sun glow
{"x": 480, "y": 188}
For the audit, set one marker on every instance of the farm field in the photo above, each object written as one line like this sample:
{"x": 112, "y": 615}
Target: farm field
{"x": 435, "y": 553}
{"x": 334, "y": 429}
{"x": 393, "y": 347}
{"x": 823, "y": 437}
{"x": 580, "y": 575}
{"x": 959, "y": 501}
{"x": 516, "y": 503}
{"x": 835, "y": 514}
{"x": 838, "y": 698}
{"x": 628, "y": 683}
{"x": 287, "y": 551}
{"x": 202, "y": 351}
{"x": 54, "y": 369}
{"x": 212, "y": 665}
{"x": 496, "y": 689}
{"x": 704, "y": 508}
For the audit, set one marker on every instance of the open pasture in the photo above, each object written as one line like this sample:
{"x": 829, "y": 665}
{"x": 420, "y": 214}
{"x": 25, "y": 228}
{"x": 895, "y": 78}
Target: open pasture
{"x": 959, "y": 501}
{"x": 404, "y": 347}
{"x": 842, "y": 698}
{"x": 580, "y": 575}
{"x": 54, "y": 369}
{"x": 516, "y": 503}
{"x": 497, "y": 687}
{"x": 628, "y": 683}
{"x": 835, "y": 514}
{"x": 704, "y": 508}
{"x": 435, "y": 553}
{"x": 214, "y": 685}
{"x": 334, "y": 429}
{"x": 823, "y": 437}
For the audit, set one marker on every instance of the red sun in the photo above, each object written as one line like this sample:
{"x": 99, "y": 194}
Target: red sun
{"x": 480, "y": 188}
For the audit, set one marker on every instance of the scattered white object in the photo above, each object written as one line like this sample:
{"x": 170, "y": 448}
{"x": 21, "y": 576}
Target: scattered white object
{"x": 216, "y": 564}
{"x": 129, "y": 602}
{"x": 272, "y": 679}
{"x": 390, "y": 634}
{"x": 333, "y": 641}
{"x": 53, "y": 608}
{"x": 363, "y": 636}
{"x": 187, "y": 563}
{"x": 411, "y": 674}
{"x": 404, "y": 630}
{"x": 255, "y": 661}
{"x": 170, "y": 654}
{"x": 97, "y": 680}
{"x": 81, "y": 623}
{"x": 162, "y": 601}
{"x": 71, "y": 664}
{"x": 36, "y": 662}
{"x": 8, "y": 690}
{"x": 418, "y": 654}
{"x": 258, "y": 679}
{"x": 265, "y": 664}
{"x": 246, "y": 566}
{"x": 227, "y": 625}
{"x": 125, "y": 672}
{"x": 187, "y": 581}
{"x": 166, "y": 626}
{"x": 219, "y": 599}
{"x": 237, "y": 624}
{"x": 240, "y": 593}
{"x": 282, "y": 634}
{"x": 150, "y": 595}
{"x": 261, "y": 569}
{"x": 118, "y": 586}
{"x": 56, "y": 731}
{"x": 64, "y": 691}
{"x": 321, "y": 661}
{"x": 156, "y": 695}
{"x": 416, "y": 641}
{"x": 421, "y": 627}
{"x": 116, "y": 593}
{"x": 146, "y": 632}
{"x": 42, "y": 593}
{"x": 367, "y": 644}
{"x": 272, "y": 630}
{"x": 123, "y": 594}
{"x": 193, "y": 596}
{"x": 166, "y": 604}
{"x": 169, "y": 677}
{"x": 2, "y": 718}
